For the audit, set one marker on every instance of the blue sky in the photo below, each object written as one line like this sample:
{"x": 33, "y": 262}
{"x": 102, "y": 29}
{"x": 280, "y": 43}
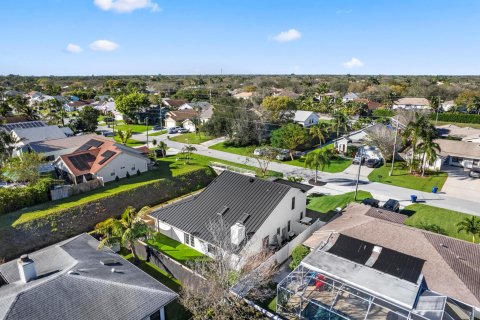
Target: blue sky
{"x": 249, "y": 36}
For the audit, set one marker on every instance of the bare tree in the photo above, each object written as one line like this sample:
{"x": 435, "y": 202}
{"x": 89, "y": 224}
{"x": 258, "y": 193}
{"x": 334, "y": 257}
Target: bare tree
{"x": 263, "y": 158}
{"x": 233, "y": 273}
{"x": 383, "y": 138}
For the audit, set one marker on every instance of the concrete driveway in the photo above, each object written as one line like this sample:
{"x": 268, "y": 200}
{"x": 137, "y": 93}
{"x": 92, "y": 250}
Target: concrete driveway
{"x": 353, "y": 170}
{"x": 459, "y": 184}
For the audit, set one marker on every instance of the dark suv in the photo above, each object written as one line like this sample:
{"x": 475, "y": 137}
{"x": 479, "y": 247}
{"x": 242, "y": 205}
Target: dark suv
{"x": 370, "y": 202}
{"x": 374, "y": 163}
{"x": 392, "y": 205}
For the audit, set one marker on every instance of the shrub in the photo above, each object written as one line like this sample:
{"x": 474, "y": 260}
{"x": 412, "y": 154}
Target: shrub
{"x": 117, "y": 178}
{"x": 382, "y": 113}
{"x": 138, "y": 172}
{"x": 12, "y": 199}
{"x": 128, "y": 174}
{"x": 298, "y": 254}
{"x": 457, "y": 117}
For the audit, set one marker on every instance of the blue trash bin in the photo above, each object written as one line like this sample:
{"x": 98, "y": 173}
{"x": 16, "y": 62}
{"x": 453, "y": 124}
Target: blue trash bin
{"x": 434, "y": 189}
{"x": 413, "y": 198}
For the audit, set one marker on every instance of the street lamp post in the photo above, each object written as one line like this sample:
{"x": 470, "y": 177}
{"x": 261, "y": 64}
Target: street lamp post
{"x": 358, "y": 173}
{"x": 394, "y": 147}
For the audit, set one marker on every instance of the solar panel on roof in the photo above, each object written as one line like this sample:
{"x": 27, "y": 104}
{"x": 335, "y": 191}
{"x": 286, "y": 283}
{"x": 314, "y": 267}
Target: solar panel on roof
{"x": 107, "y": 155}
{"x": 352, "y": 249}
{"x": 81, "y": 161}
{"x": 398, "y": 264}
{"x": 95, "y": 143}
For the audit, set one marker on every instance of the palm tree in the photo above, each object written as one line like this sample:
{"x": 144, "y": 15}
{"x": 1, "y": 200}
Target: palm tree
{"x": 429, "y": 149}
{"x": 187, "y": 150}
{"x": 339, "y": 122}
{"x": 315, "y": 160}
{"x": 413, "y": 133}
{"x": 470, "y": 226}
{"x": 163, "y": 146}
{"x": 320, "y": 130}
{"x": 124, "y": 231}
{"x": 124, "y": 135}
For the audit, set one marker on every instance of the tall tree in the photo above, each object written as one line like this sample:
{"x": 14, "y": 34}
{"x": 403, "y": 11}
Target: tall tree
{"x": 7, "y": 145}
{"x": 187, "y": 151}
{"x": 470, "y": 225}
{"x": 320, "y": 130}
{"x": 125, "y": 231}
{"x": 279, "y": 109}
{"x": 24, "y": 168}
{"x": 163, "y": 146}
{"x": 289, "y": 136}
{"x": 413, "y": 134}
{"x": 129, "y": 104}
{"x": 87, "y": 120}
{"x": 316, "y": 160}
{"x": 340, "y": 122}
{"x": 430, "y": 150}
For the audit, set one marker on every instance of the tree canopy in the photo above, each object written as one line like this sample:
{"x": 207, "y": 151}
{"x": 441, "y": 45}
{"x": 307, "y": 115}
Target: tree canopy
{"x": 130, "y": 103}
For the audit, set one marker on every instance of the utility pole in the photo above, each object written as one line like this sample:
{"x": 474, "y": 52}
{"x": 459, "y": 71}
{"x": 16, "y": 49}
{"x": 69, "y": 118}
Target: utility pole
{"x": 358, "y": 173}
{"x": 394, "y": 147}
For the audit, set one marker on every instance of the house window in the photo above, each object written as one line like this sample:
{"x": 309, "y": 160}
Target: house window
{"x": 278, "y": 231}
{"x": 192, "y": 241}
{"x": 211, "y": 249}
{"x": 265, "y": 242}
{"x": 186, "y": 238}
{"x": 112, "y": 173}
{"x": 293, "y": 203}
{"x": 121, "y": 168}
{"x": 301, "y": 215}
{"x": 288, "y": 226}
{"x": 133, "y": 168}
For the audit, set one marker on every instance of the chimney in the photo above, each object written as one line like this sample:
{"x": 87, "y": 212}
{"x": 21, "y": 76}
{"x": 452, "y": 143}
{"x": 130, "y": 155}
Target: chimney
{"x": 26, "y": 268}
{"x": 238, "y": 233}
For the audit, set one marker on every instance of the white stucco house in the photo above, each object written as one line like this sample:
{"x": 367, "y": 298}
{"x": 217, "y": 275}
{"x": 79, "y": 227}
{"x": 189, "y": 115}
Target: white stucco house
{"x": 254, "y": 214}
{"x": 101, "y": 158}
{"x": 182, "y": 118}
{"x": 355, "y": 138}
{"x": 351, "y": 96}
{"x": 411, "y": 103}
{"x": 306, "y": 118}
{"x": 447, "y": 105}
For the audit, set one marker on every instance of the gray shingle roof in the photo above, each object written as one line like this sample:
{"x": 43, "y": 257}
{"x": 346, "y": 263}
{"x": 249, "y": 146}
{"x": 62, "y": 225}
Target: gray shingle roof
{"x": 239, "y": 193}
{"x": 293, "y": 184}
{"x": 92, "y": 292}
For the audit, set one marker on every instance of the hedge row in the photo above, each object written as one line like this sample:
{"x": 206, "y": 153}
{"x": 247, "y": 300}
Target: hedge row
{"x": 457, "y": 117}
{"x": 382, "y": 113}
{"x": 12, "y": 199}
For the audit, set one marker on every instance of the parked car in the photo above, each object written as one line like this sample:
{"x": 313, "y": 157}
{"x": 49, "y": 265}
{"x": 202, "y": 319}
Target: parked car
{"x": 371, "y": 202}
{"x": 474, "y": 173}
{"x": 108, "y": 134}
{"x": 374, "y": 163}
{"x": 358, "y": 159}
{"x": 259, "y": 152}
{"x": 157, "y": 127}
{"x": 183, "y": 130}
{"x": 174, "y": 129}
{"x": 284, "y": 155}
{"x": 392, "y": 205}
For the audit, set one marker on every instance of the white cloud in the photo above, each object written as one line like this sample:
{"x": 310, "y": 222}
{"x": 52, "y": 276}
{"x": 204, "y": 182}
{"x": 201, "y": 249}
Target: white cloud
{"x": 73, "y": 48}
{"x": 103, "y": 45}
{"x": 126, "y": 6}
{"x": 289, "y": 35}
{"x": 353, "y": 63}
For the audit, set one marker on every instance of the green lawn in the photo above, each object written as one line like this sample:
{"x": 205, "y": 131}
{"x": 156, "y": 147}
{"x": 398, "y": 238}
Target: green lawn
{"x": 158, "y": 133}
{"x": 337, "y": 164}
{"x": 174, "y": 310}
{"x": 324, "y": 204}
{"x": 201, "y": 160}
{"x": 174, "y": 249}
{"x": 272, "y": 306}
{"x": 130, "y": 142}
{"x": 402, "y": 178}
{"x": 437, "y": 220}
{"x": 458, "y": 124}
{"x": 136, "y": 128}
{"x": 191, "y": 138}
{"x": 164, "y": 170}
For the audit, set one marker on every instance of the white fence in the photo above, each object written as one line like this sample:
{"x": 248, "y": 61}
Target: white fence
{"x": 61, "y": 192}
{"x": 220, "y": 167}
{"x": 286, "y": 251}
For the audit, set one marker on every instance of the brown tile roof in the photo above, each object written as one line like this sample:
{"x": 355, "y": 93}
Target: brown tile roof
{"x": 372, "y": 105}
{"x": 386, "y": 215}
{"x": 143, "y": 149}
{"x": 181, "y": 115}
{"x": 175, "y": 102}
{"x": 94, "y": 155}
{"x": 458, "y": 278}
